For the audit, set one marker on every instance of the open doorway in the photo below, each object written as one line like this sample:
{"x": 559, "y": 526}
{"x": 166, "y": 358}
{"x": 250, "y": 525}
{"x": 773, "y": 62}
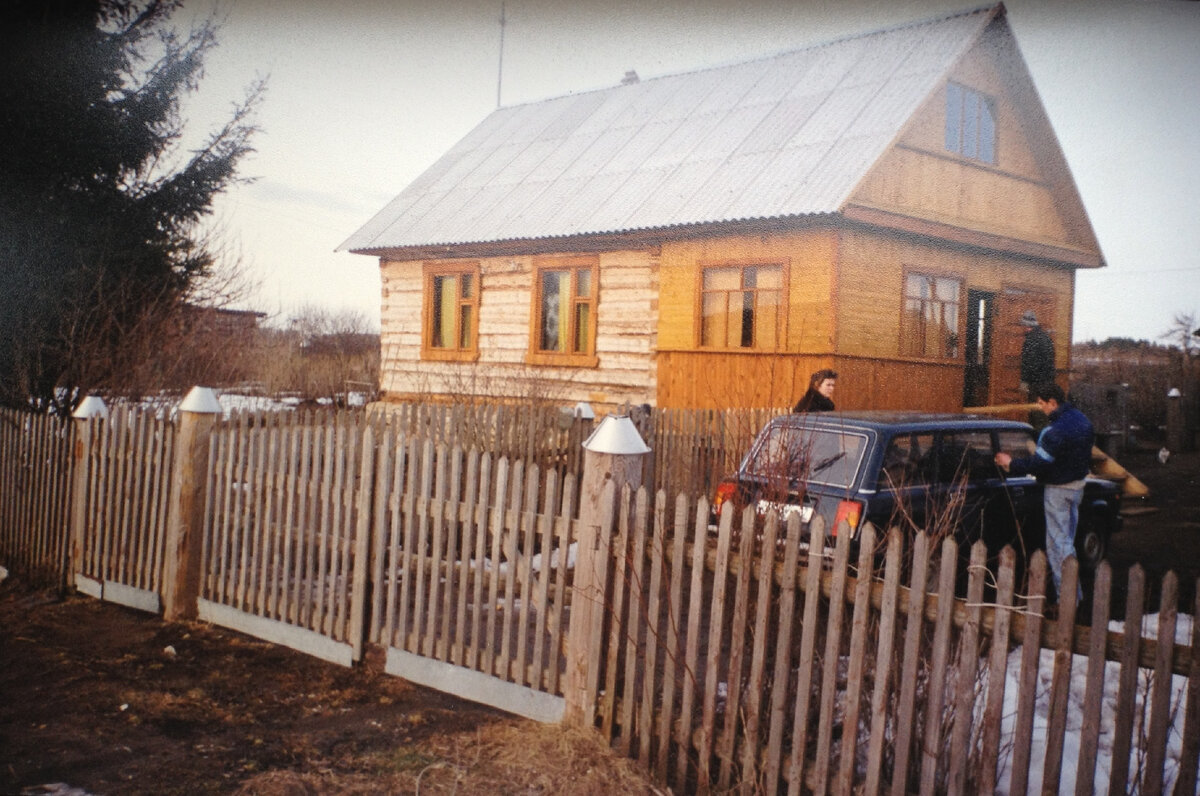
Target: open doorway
{"x": 978, "y": 347}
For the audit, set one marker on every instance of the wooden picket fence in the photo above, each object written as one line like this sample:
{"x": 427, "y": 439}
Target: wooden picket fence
{"x": 723, "y": 656}
{"x": 35, "y": 485}
{"x": 741, "y": 662}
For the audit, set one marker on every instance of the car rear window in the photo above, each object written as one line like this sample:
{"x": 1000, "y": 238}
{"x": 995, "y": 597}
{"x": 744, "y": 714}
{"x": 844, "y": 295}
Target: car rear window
{"x": 808, "y": 455}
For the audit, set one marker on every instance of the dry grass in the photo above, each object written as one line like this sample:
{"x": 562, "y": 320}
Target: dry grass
{"x": 506, "y": 758}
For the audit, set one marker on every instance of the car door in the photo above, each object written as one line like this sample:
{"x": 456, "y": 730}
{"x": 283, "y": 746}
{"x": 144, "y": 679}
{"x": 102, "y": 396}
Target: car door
{"x": 1023, "y": 492}
{"x": 906, "y": 473}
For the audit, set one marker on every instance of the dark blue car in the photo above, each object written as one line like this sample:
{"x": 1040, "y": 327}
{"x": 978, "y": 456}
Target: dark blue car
{"x": 912, "y": 471}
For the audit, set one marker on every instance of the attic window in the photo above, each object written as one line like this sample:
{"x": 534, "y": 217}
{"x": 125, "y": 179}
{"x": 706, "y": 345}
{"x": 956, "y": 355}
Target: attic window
{"x": 970, "y": 123}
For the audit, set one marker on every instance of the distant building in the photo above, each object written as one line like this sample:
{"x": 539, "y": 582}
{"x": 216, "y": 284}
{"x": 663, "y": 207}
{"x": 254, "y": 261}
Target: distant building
{"x": 886, "y": 205}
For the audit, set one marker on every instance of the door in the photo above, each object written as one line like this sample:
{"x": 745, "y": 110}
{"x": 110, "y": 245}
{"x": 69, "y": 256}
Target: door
{"x": 1010, "y": 335}
{"x": 978, "y": 348}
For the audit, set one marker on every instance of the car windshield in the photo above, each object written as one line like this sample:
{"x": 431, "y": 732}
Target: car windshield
{"x": 808, "y": 455}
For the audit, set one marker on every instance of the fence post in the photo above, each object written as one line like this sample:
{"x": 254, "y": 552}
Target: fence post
{"x": 613, "y": 455}
{"x": 1175, "y": 423}
{"x": 90, "y": 407}
{"x": 185, "y": 511}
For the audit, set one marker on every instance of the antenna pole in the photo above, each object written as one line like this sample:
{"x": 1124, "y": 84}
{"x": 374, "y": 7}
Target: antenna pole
{"x": 500, "y": 71}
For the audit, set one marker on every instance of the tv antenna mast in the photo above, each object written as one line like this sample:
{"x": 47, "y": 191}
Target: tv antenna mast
{"x": 500, "y": 71}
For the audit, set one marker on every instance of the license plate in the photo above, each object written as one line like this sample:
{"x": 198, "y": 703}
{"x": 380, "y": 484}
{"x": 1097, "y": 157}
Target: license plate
{"x": 786, "y": 510}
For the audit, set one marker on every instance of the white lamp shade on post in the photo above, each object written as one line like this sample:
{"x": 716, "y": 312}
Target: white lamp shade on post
{"x": 201, "y": 400}
{"x": 91, "y": 406}
{"x": 616, "y": 434}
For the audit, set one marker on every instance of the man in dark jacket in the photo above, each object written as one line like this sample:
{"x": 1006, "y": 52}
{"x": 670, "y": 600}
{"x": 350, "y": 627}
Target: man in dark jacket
{"x": 1060, "y": 463}
{"x": 1037, "y": 354}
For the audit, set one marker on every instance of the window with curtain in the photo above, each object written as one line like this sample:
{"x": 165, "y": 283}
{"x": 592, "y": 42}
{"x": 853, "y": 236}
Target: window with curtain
{"x": 451, "y": 311}
{"x": 565, "y": 310}
{"x": 970, "y": 123}
{"x": 931, "y": 309}
{"x": 741, "y": 307}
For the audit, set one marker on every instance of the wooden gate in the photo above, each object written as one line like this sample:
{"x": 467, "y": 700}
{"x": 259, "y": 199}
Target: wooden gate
{"x": 470, "y": 573}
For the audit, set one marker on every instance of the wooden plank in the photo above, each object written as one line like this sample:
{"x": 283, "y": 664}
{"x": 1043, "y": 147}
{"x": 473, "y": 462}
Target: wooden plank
{"x": 617, "y": 562}
{"x": 1093, "y": 695}
{"x": 413, "y": 495}
{"x": 563, "y": 577}
{"x": 524, "y": 614}
{"x": 604, "y": 543}
{"x": 447, "y": 643}
{"x": 884, "y": 660}
{"x": 512, "y": 530}
{"x": 844, "y": 778}
{"x": 804, "y": 674}
{"x": 783, "y": 658}
{"x": 691, "y": 660}
{"x": 1189, "y": 752}
{"x": 1160, "y": 691}
{"x": 931, "y": 743}
{"x": 993, "y": 712}
{"x": 655, "y": 636}
{"x": 914, "y": 624}
{"x": 381, "y": 530}
{"x": 671, "y": 641}
{"x": 967, "y": 666}
{"x": 291, "y": 490}
{"x": 500, "y": 505}
{"x": 761, "y": 631}
{"x": 482, "y": 514}
{"x": 829, "y": 669}
{"x": 437, "y": 526}
{"x": 467, "y": 530}
{"x": 725, "y": 747}
{"x": 636, "y": 621}
{"x": 1031, "y": 654}
{"x": 362, "y": 542}
{"x": 1060, "y": 678}
{"x": 714, "y": 635}
{"x": 420, "y": 550}
{"x": 541, "y": 624}
{"x": 1127, "y": 682}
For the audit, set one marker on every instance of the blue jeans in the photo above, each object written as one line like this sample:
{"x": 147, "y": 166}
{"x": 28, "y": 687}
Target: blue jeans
{"x": 1062, "y": 515}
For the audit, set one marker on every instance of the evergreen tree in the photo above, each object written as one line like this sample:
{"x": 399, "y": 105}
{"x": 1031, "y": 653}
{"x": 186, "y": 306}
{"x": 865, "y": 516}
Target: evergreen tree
{"x": 100, "y": 211}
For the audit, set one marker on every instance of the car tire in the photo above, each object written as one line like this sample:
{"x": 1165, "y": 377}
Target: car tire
{"x": 1091, "y": 546}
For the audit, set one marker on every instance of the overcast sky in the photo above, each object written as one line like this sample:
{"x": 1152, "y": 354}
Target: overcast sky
{"x": 365, "y": 94}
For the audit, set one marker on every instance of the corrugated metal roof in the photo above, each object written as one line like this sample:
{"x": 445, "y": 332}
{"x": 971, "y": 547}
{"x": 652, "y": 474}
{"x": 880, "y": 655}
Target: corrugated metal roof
{"x": 778, "y": 137}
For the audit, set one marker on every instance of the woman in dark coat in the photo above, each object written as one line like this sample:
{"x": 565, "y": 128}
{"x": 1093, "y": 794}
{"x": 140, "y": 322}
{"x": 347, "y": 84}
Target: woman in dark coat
{"x": 819, "y": 397}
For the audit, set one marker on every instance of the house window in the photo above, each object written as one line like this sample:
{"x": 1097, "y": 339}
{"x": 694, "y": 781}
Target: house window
{"x": 451, "y": 311}
{"x": 930, "y": 323}
{"x": 970, "y": 123}
{"x": 564, "y": 316}
{"x": 741, "y": 306}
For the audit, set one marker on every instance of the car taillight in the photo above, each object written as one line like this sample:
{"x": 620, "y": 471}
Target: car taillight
{"x": 851, "y": 512}
{"x": 724, "y": 491}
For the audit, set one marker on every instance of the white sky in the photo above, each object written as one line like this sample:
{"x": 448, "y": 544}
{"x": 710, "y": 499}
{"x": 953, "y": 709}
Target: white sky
{"x": 365, "y": 94}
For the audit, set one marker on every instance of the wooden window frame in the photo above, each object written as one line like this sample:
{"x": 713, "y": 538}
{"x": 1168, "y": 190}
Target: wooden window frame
{"x": 784, "y": 266}
{"x": 584, "y": 359}
{"x": 959, "y": 320}
{"x": 469, "y": 352}
{"x": 962, "y": 146}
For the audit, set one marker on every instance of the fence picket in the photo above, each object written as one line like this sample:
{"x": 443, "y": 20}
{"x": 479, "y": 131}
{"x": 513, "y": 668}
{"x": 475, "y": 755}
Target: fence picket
{"x": 524, "y": 618}
{"x": 844, "y": 779}
{"x": 797, "y": 762}
{"x": 931, "y": 747}
{"x": 672, "y": 635}
{"x": 993, "y": 713}
{"x": 1189, "y": 752}
{"x": 1160, "y": 691}
{"x": 616, "y": 613}
{"x": 914, "y": 624}
{"x": 654, "y": 640}
{"x": 1060, "y": 690}
{"x": 760, "y": 631}
{"x": 883, "y": 662}
{"x": 691, "y": 659}
{"x": 436, "y": 536}
{"x": 562, "y": 579}
{"x": 965, "y": 673}
{"x": 481, "y": 515}
{"x": 737, "y": 650}
{"x": 1093, "y": 695}
{"x": 716, "y": 627}
{"x": 1031, "y": 654}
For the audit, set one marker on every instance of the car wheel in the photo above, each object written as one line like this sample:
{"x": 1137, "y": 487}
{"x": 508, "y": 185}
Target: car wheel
{"x": 1091, "y": 545}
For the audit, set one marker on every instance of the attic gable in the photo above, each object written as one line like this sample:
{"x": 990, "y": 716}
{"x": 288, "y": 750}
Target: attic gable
{"x": 783, "y": 137}
{"x": 1022, "y": 200}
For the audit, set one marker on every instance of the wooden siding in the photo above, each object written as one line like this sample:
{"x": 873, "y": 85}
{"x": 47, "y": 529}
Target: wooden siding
{"x": 626, "y": 331}
{"x": 871, "y": 270}
{"x": 1027, "y": 195}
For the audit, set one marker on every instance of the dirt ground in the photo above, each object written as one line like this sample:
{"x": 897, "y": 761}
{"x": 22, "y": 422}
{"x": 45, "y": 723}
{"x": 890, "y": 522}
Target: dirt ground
{"x": 106, "y": 700}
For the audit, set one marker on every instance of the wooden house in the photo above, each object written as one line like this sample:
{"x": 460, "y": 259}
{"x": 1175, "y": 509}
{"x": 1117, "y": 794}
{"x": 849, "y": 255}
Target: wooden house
{"x": 886, "y": 204}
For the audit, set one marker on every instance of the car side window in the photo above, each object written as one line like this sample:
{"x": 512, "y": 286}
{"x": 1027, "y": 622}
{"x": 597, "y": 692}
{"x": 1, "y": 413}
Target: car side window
{"x": 1017, "y": 444}
{"x": 966, "y": 455}
{"x": 907, "y": 461}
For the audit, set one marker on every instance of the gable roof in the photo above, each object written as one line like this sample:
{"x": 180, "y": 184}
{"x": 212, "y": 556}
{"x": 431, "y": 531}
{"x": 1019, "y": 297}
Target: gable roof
{"x": 781, "y": 137}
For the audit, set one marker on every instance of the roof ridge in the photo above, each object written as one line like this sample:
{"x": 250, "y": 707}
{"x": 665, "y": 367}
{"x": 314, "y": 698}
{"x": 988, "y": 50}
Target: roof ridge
{"x": 942, "y": 17}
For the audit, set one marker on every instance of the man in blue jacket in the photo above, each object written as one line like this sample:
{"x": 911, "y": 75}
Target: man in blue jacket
{"x": 1061, "y": 462}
